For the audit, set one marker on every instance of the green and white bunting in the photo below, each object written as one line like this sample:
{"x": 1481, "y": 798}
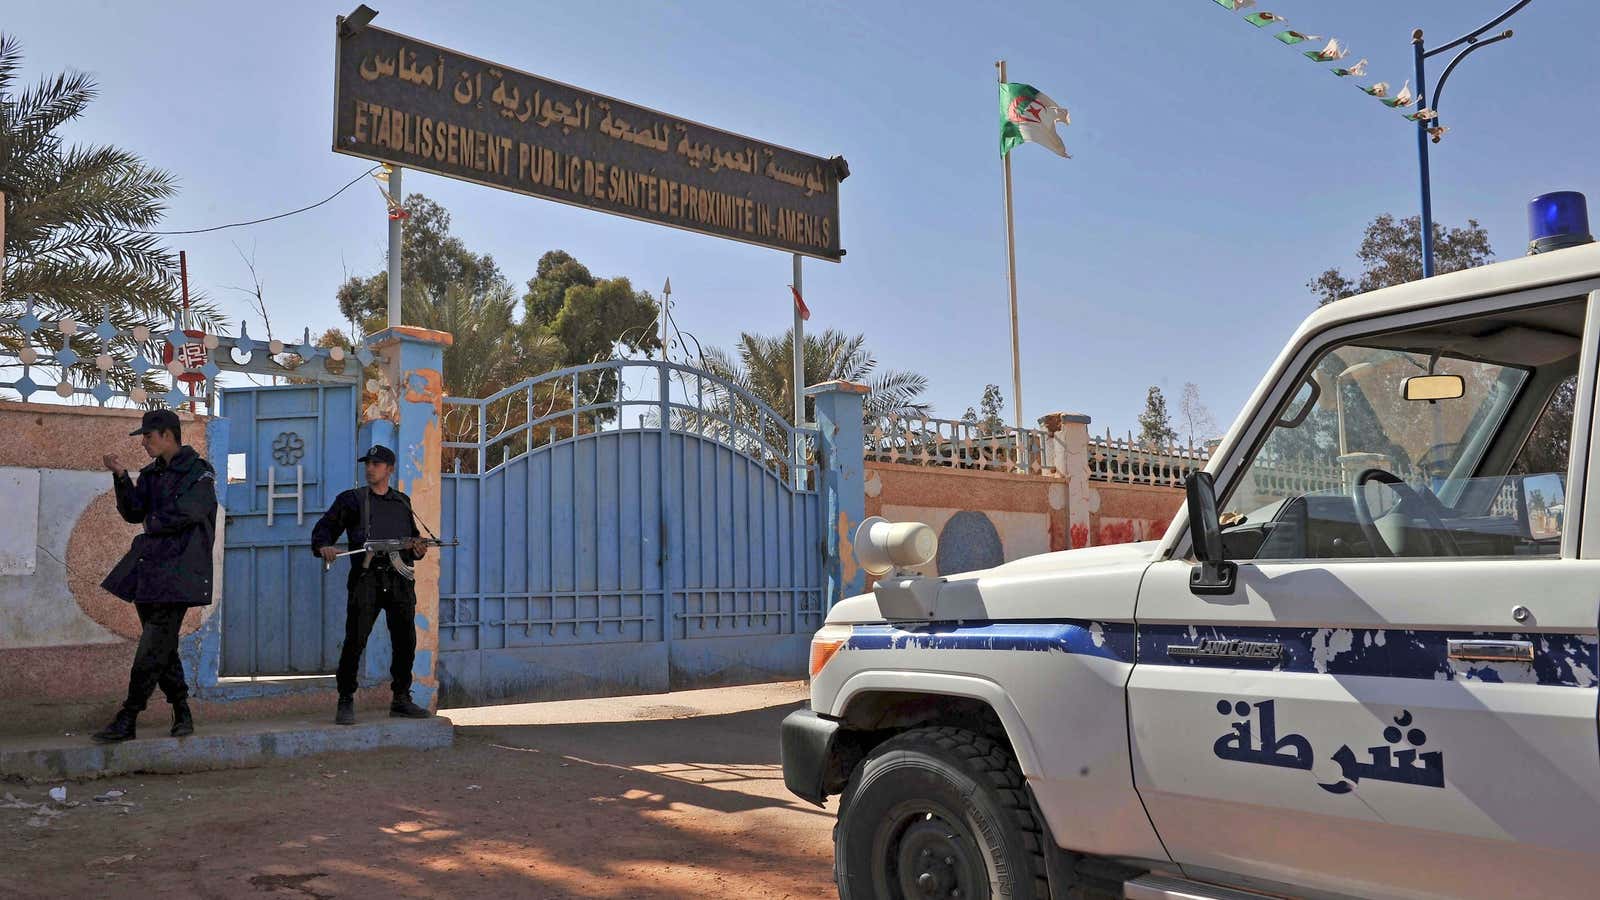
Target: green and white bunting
{"x": 1028, "y": 116}
{"x": 1332, "y": 52}
{"x": 1404, "y": 98}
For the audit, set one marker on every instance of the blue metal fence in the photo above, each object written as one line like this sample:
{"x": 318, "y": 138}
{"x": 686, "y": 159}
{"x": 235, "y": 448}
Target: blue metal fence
{"x": 281, "y": 614}
{"x": 625, "y": 526}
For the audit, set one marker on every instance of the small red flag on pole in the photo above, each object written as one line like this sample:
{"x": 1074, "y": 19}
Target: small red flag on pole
{"x": 800, "y": 304}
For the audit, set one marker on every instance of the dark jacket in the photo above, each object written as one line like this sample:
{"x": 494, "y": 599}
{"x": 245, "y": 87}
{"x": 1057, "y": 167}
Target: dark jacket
{"x": 171, "y": 561}
{"x": 344, "y": 517}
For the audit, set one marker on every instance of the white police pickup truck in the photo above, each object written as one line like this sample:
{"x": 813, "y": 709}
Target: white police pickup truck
{"x": 1362, "y": 662}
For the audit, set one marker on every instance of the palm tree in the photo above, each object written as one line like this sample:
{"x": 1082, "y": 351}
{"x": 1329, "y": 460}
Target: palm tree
{"x": 764, "y": 366}
{"x": 77, "y": 220}
{"x": 489, "y": 352}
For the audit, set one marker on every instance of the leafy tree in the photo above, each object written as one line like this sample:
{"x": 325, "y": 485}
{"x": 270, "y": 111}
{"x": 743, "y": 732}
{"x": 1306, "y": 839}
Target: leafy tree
{"x": 547, "y": 289}
{"x": 1550, "y": 444}
{"x": 989, "y": 406}
{"x": 1197, "y": 420}
{"x": 1155, "y": 423}
{"x": 77, "y": 219}
{"x": 431, "y": 259}
{"x": 594, "y": 318}
{"x": 1391, "y": 254}
{"x": 764, "y": 365}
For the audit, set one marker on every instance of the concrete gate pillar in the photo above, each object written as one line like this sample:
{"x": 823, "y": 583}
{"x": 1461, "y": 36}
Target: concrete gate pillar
{"x": 401, "y": 409}
{"x": 1068, "y": 436}
{"x": 841, "y": 481}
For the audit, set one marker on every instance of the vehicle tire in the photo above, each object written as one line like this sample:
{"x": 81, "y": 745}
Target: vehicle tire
{"x": 938, "y": 812}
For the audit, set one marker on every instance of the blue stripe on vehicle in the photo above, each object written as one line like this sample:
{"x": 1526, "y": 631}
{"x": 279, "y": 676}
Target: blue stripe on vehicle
{"x": 1107, "y": 640}
{"x": 1561, "y": 660}
{"x": 1565, "y": 660}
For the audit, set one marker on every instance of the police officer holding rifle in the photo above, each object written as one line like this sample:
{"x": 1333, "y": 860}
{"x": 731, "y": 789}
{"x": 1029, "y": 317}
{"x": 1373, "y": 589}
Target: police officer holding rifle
{"x": 380, "y": 578}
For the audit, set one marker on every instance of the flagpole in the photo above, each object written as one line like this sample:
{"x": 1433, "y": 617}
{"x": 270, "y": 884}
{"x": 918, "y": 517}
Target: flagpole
{"x": 1011, "y": 278}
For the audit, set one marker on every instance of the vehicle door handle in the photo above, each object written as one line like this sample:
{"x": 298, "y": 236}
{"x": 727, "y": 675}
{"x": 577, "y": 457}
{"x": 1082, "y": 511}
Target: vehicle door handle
{"x": 1491, "y": 651}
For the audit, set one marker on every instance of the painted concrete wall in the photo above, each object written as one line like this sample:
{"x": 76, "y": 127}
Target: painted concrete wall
{"x": 1133, "y": 512}
{"x": 63, "y": 640}
{"x": 987, "y": 518}
{"x": 982, "y": 518}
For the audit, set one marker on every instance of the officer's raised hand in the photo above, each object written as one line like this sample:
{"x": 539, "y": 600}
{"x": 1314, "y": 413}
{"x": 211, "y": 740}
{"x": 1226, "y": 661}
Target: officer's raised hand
{"x": 114, "y": 464}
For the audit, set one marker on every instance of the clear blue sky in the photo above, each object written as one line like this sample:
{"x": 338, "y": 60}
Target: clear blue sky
{"x": 1216, "y": 170}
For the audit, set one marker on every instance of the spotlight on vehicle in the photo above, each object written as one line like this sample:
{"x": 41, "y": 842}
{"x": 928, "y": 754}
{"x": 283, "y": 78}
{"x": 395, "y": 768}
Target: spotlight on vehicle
{"x": 882, "y": 546}
{"x": 1556, "y": 220}
{"x": 352, "y": 24}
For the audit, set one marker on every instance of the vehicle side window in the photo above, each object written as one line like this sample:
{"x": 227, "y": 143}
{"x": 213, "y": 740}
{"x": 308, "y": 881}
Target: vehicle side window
{"x": 1372, "y": 470}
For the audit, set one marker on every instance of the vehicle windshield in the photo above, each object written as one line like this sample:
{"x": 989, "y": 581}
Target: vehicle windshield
{"x": 1354, "y": 469}
{"x": 1360, "y": 419}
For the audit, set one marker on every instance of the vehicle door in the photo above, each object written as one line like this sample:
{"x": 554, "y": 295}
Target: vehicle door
{"x": 1398, "y": 697}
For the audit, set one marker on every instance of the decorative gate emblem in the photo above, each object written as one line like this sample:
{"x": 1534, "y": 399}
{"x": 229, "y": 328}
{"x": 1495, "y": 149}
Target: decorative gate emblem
{"x": 288, "y": 448}
{"x": 1211, "y": 648}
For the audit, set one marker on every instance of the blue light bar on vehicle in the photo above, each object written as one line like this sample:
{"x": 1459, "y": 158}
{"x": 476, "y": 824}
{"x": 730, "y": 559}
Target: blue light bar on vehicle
{"x": 1556, "y": 220}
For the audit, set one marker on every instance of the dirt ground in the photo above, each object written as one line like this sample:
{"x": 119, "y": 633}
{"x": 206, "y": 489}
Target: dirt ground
{"x": 677, "y": 795}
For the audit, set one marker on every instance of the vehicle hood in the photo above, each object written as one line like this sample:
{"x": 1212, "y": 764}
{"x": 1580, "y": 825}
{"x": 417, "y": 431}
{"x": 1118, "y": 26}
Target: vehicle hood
{"x": 1094, "y": 582}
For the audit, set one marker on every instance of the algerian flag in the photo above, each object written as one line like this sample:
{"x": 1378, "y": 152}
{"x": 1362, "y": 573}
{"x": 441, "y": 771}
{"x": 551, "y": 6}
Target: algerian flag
{"x": 1236, "y": 5}
{"x": 1296, "y": 37}
{"x": 1403, "y": 98}
{"x": 1029, "y": 116}
{"x": 1334, "y": 50}
{"x": 1359, "y": 68}
{"x": 1380, "y": 90}
{"x": 1263, "y": 19}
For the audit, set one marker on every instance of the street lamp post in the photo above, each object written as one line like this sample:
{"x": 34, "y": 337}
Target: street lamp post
{"x": 1474, "y": 40}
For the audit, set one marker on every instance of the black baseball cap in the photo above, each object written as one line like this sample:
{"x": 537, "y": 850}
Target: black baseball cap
{"x": 157, "y": 420}
{"x": 378, "y": 453}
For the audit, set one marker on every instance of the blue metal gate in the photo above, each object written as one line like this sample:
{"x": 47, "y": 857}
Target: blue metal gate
{"x": 281, "y": 615}
{"x": 625, "y": 527}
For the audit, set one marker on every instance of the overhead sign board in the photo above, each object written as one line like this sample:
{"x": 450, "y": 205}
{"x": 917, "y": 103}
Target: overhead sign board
{"x": 414, "y": 104}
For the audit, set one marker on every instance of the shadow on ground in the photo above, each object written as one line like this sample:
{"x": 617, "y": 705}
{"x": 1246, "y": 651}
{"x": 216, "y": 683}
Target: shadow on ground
{"x": 676, "y": 807}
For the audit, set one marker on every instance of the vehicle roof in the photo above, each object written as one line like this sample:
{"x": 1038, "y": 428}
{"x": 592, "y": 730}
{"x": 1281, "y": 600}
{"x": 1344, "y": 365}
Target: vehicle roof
{"x": 1571, "y": 264}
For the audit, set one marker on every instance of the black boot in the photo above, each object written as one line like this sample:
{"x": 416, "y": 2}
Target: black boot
{"x": 182, "y": 720}
{"x": 120, "y": 729}
{"x": 403, "y": 708}
{"x": 346, "y": 714}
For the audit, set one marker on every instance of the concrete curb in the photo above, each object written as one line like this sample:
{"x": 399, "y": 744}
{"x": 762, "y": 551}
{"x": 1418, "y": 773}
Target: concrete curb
{"x": 229, "y": 745}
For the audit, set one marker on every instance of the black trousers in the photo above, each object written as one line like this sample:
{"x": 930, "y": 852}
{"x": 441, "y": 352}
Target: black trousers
{"x": 156, "y": 660}
{"x": 372, "y": 593}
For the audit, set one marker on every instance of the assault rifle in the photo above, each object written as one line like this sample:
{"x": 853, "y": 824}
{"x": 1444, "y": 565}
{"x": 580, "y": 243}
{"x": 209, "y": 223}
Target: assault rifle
{"x": 392, "y": 547}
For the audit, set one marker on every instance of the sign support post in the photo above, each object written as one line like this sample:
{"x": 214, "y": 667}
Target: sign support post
{"x": 799, "y": 352}
{"x": 396, "y": 244}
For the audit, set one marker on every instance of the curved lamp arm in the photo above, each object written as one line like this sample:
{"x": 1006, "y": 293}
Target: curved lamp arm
{"x": 1473, "y": 36}
{"x": 1438, "y": 86}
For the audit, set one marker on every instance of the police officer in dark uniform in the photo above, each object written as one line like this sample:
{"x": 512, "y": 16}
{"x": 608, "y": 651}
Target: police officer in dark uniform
{"x": 374, "y": 512}
{"x": 168, "y": 568}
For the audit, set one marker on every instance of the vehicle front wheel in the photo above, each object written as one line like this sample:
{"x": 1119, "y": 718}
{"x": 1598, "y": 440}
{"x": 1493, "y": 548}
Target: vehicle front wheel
{"x": 938, "y": 812}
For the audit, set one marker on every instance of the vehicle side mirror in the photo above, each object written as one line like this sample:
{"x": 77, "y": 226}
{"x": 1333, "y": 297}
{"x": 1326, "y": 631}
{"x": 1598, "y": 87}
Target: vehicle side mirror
{"x": 1214, "y": 575}
{"x": 1434, "y": 387}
